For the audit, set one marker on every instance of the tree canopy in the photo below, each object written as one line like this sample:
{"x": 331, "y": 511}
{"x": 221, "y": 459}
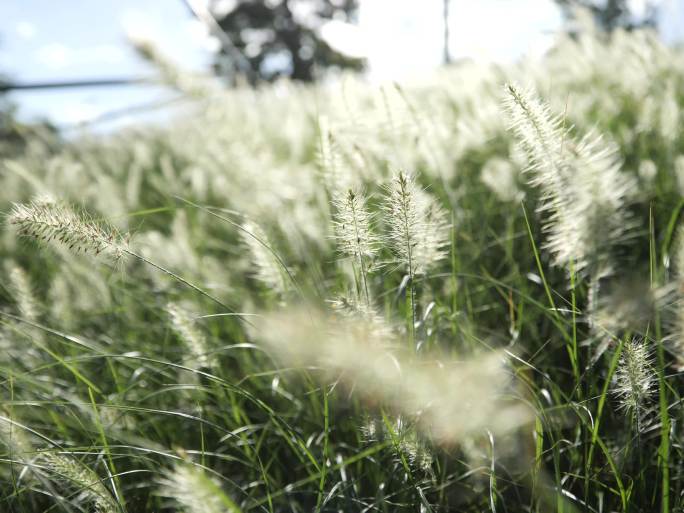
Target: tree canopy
{"x": 273, "y": 38}
{"x": 611, "y": 14}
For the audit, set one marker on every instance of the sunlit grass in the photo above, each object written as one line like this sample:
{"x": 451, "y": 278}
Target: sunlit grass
{"x": 348, "y": 298}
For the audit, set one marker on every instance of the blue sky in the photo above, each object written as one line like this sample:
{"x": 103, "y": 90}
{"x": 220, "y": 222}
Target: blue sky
{"x": 87, "y": 39}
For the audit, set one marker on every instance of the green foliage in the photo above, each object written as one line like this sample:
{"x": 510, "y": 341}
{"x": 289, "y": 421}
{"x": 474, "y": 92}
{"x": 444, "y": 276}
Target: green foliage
{"x": 264, "y": 339}
{"x": 267, "y": 39}
{"x": 613, "y": 14}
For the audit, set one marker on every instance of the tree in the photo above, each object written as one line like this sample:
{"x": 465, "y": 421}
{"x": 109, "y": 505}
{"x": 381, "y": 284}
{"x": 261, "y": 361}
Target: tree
{"x": 611, "y": 14}
{"x": 272, "y": 38}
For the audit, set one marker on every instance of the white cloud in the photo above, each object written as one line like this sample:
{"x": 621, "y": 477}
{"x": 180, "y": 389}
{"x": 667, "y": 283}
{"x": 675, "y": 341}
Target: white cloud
{"x": 25, "y": 30}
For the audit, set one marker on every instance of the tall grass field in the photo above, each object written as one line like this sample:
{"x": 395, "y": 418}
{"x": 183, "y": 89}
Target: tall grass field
{"x": 462, "y": 293}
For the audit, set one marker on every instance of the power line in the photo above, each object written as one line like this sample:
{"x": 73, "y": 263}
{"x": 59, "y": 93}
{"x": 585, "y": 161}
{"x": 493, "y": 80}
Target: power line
{"x": 72, "y": 84}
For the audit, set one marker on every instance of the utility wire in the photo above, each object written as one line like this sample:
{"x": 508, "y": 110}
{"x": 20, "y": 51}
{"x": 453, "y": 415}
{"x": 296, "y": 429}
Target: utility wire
{"x": 71, "y": 84}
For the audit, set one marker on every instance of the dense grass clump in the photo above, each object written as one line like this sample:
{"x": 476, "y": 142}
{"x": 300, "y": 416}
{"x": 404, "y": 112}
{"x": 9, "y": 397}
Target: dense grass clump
{"x": 454, "y": 295}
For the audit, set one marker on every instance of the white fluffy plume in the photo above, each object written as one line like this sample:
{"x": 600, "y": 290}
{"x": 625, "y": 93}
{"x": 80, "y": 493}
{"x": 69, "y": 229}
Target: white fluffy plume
{"x": 584, "y": 193}
{"x": 417, "y": 226}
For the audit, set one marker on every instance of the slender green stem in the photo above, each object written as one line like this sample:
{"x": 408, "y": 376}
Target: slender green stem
{"x": 664, "y": 448}
{"x": 187, "y": 284}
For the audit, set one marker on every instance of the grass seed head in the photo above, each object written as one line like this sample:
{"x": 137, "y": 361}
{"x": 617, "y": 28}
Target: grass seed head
{"x": 635, "y": 378}
{"x": 53, "y": 222}
{"x": 353, "y": 226}
{"x": 73, "y": 473}
{"x": 22, "y": 291}
{"x": 584, "y": 193}
{"x": 266, "y": 267}
{"x": 450, "y": 401}
{"x": 184, "y": 327}
{"x": 417, "y": 227}
{"x": 195, "y": 491}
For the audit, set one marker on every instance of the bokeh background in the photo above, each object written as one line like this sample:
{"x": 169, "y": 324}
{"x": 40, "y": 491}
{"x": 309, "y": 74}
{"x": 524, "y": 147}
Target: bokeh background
{"x": 50, "y": 53}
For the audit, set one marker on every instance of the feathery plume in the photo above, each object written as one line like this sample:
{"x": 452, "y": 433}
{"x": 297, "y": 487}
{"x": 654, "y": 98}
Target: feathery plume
{"x": 418, "y": 231}
{"x": 541, "y": 136}
{"x": 73, "y": 473}
{"x": 171, "y": 74}
{"x": 22, "y": 292}
{"x": 406, "y": 440}
{"x": 267, "y": 268}
{"x": 47, "y": 220}
{"x": 184, "y": 327}
{"x": 13, "y": 436}
{"x": 449, "y": 402}
{"x": 500, "y": 176}
{"x": 335, "y": 176}
{"x": 647, "y": 171}
{"x": 415, "y": 450}
{"x": 59, "y": 468}
{"x": 354, "y": 234}
{"x": 582, "y": 187}
{"x": 195, "y": 491}
{"x": 380, "y": 331}
{"x": 634, "y": 378}
{"x": 626, "y": 304}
